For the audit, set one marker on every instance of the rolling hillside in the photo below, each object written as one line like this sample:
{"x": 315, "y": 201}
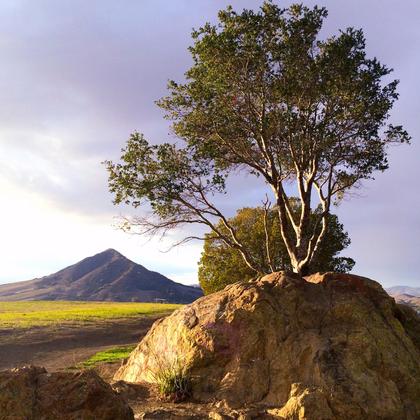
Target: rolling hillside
{"x": 107, "y": 276}
{"x": 403, "y": 290}
{"x": 406, "y": 295}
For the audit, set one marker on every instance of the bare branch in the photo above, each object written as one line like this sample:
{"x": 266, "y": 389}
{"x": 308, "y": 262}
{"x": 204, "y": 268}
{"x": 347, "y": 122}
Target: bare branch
{"x": 266, "y": 208}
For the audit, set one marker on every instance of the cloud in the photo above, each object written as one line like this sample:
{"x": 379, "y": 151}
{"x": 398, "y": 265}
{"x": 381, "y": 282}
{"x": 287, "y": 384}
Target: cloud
{"x": 78, "y": 77}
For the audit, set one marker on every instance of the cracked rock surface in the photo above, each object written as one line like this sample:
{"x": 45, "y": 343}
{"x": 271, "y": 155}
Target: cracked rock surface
{"x": 331, "y": 346}
{"x": 31, "y": 393}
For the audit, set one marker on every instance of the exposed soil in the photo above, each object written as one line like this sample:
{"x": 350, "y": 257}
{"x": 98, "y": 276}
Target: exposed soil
{"x": 146, "y": 403}
{"x": 63, "y": 346}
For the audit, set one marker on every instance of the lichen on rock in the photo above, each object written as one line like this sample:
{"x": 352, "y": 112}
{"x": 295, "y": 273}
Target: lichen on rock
{"x": 335, "y": 344}
{"x": 31, "y": 393}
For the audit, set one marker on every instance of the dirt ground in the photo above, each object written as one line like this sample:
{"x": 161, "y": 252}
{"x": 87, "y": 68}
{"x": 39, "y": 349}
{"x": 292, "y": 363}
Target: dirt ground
{"x": 146, "y": 403}
{"x": 60, "y": 347}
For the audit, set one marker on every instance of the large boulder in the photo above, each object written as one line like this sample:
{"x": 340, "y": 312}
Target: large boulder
{"x": 30, "y": 393}
{"x": 330, "y": 346}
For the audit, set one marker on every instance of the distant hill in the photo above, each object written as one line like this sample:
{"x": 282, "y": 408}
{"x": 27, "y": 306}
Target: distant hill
{"x": 107, "y": 276}
{"x": 409, "y": 300}
{"x": 403, "y": 290}
{"x": 406, "y": 295}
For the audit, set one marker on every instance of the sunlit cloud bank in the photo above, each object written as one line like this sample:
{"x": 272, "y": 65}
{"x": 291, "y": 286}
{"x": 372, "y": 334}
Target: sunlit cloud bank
{"x": 78, "y": 77}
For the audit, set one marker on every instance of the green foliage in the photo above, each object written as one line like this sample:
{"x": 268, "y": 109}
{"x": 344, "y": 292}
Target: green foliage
{"x": 221, "y": 265}
{"x": 45, "y": 313}
{"x": 173, "y": 380}
{"x": 269, "y": 74}
{"x": 268, "y": 96}
{"x": 108, "y": 356}
{"x": 161, "y": 174}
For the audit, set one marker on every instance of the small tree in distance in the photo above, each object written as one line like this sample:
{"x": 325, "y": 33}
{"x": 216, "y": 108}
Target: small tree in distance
{"x": 265, "y": 95}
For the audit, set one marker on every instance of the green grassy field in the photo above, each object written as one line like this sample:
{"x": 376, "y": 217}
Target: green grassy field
{"x": 108, "y": 356}
{"x": 44, "y": 313}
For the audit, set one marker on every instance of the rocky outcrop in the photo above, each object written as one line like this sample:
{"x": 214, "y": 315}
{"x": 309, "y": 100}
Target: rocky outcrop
{"x": 330, "y": 346}
{"x": 30, "y": 393}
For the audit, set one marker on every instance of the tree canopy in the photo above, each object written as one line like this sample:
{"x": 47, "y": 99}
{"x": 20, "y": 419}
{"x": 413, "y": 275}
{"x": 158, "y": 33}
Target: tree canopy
{"x": 257, "y": 228}
{"x": 266, "y": 95}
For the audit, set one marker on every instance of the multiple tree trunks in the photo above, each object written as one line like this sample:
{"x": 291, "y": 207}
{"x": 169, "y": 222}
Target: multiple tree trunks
{"x": 268, "y": 97}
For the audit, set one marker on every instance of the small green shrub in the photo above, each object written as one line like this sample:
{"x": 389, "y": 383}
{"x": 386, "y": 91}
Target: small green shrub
{"x": 173, "y": 380}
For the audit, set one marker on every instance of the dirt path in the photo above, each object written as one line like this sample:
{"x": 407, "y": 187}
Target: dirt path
{"x": 59, "y": 347}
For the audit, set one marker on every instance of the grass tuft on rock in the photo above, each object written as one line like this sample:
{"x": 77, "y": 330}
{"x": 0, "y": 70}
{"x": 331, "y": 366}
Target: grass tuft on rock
{"x": 173, "y": 381}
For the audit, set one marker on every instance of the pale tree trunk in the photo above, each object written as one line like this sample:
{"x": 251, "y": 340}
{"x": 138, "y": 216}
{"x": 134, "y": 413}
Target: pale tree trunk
{"x": 303, "y": 241}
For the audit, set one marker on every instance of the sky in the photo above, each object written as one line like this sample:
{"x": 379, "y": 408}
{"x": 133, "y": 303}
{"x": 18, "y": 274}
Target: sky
{"x": 77, "y": 77}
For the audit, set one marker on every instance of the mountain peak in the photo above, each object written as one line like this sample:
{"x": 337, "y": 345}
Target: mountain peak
{"x": 107, "y": 275}
{"x": 110, "y": 252}
{"x": 100, "y": 259}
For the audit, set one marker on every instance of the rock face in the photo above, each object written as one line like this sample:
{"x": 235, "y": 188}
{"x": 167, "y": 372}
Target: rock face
{"x": 30, "y": 393}
{"x": 330, "y": 346}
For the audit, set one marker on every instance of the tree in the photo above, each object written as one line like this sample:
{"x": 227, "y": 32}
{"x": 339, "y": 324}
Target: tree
{"x": 265, "y": 95}
{"x": 257, "y": 228}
